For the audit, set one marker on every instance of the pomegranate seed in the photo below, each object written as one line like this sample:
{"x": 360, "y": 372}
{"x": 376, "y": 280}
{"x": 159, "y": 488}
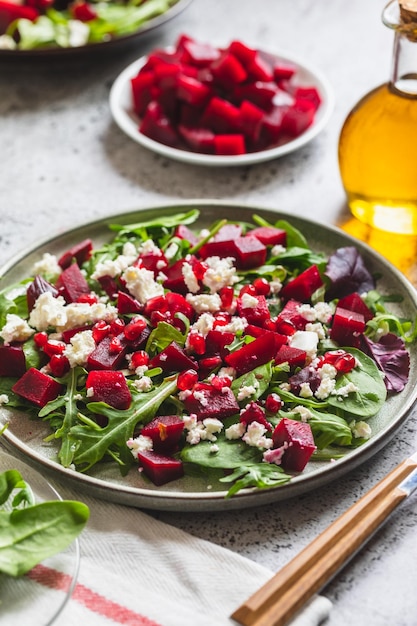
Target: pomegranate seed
{"x": 135, "y": 328}
{"x": 59, "y": 365}
{"x": 187, "y": 379}
{"x": 197, "y": 343}
{"x": 160, "y": 316}
{"x": 40, "y": 339}
{"x": 100, "y": 330}
{"x": 199, "y": 269}
{"x": 262, "y": 286}
{"x": 332, "y": 356}
{"x": 222, "y": 319}
{"x": 285, "y": 327}
{"x": 273, "y": 403}
{"x": 219, "y": 382}
{"x": 117, "y": 326}
{"x": 250, "y": 289}
{"x": 115, "y": 345}
{"x": 88, "y": 298}
{"x": 210, "y": 362}
{"x": 139, "y": 359}
{"x": 52, "y": 347}
{"x": 345, "y": 363}
{"x": 158, "y": 303}
{"x": 226, "y": 296}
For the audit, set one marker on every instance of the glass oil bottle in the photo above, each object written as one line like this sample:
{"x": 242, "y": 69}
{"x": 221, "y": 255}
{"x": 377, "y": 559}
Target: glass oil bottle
{"x": 378, "y": 141}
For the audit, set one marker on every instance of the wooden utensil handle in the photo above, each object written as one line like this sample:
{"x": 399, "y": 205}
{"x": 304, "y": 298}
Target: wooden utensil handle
{"x": 284, "y": 594}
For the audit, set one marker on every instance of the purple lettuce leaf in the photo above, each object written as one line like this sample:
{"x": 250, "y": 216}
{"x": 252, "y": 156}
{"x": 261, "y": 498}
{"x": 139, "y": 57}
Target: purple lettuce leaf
{"x": 392, "y": 358}
{"x": 347, "y": 273}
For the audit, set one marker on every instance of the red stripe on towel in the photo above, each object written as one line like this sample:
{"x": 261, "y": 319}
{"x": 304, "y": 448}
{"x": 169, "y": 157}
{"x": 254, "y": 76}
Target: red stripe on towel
{"x": 90, "y": 599}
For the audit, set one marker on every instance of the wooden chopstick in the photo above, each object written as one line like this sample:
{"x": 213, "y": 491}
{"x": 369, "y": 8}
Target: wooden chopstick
{"x": 276, "y": 602}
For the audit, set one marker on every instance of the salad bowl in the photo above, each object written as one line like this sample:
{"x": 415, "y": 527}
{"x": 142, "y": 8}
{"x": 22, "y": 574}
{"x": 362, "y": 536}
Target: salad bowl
{"x": 192, "y": 493}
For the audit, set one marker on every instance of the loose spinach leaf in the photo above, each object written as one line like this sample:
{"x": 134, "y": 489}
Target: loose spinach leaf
{"x": 259, "y": 475}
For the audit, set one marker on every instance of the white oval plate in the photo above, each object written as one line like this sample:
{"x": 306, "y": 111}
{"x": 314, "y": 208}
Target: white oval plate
{"x": 27, "y": 436}
{"x": 121, "y": 106}
{"x": 29, "y": 599}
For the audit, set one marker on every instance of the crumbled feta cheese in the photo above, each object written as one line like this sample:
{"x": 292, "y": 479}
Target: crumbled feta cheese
{"x": 7, "y": 42}
{"x": 307, "y": 312}
{"x": 305, "y": 390}
{"x": 203, "y": 324}
{"x": 343, "y": 392}
{"x": 304, "y": 413}
{"x": 235, "y": 431}
{"x": 325, "y": 389}
{"x": 237, "y": 324}
{"x": 275, "y": 286}
{"x": 48, "y": 265}
{"x": 143, "y": 384}
{"x": 202, "y": 431}
{"x": 255, "y": 435}
{"x": 277, "y": 249}
{"x": 324, "y": 312}
{"x": 220, "y": 273}
{"x": 80, "y": 347}
{"x": 274, "y": 456}
{"x": 171, "y": 250}
{"x": 212, "y": 426}
{"x": 205, "y": 302}
{"x": 361, "y": 430}
{"x": 183, "y": 395}
{"x": 214, "y": 448}
{"x": 149, "y": 247}
{"x": 317, "y": 328}
{"x": 15, "y": 329}
{"x": 189, "y": 421}
{"x": 141, "y": 284}
{"x": 139, "y": 444}
{"x": 115, "y": 267}
{"x": 249, "y": 302}
{"x": 305, "y": 340}
{"x": 190, "y": 278}
{"x": 246, "y": 391}
{"x": 227, "y": 372}
{"x": 4, "y": 398}
{"x": 78, "y": 32}
{"x": 54, "y": 312}
{"x": 90, "y": 392}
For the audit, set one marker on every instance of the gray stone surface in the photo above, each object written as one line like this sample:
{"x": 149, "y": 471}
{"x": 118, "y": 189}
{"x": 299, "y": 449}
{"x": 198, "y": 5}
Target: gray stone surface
{"x": 64, "y": 162}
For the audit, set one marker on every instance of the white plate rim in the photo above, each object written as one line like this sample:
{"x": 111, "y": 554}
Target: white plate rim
{"x": 127, "y": 121}
{"x": 161, "y": 499}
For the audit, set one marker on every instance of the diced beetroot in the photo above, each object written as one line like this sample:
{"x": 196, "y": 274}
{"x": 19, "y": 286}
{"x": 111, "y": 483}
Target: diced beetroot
{"x": 221, "y": 116}
{"x": 127, "y": 304}
{"x": 176, "y": 303}
{"x": 228, "y": 232}
{"x": 254, "y": 413}
{"x": 244, "y": 53}
{"x": 212, "y": 402}
{"x": 156, "y": 125}
{"x": 67, "y": 335}
{"x": 72, "y": 284}
{"x": 83, "y": 11}
{"x": 269, "y": 235}
{"x": 298, "y": 118}
{"x": 354, "y": 302}
{"x": 271, "y": 128}
{"x": 283, "y": 70}
{"x": 12, "y": 360}
{"x": 308, "y": 93}
{"x": 229, "y": 144}
{"x": 253, "y": 354}
{"x": 260, "y": 69}
{"x": 81, "y": 252}
{"x": 257, "y": 331}
{"x": 172, "y": 359}
{"x": 256, "y": 315}
{"x": 155, "y": 262}
{"x": 165, "y": 432}
{"x": 290, "y": 315}
{"x": 221, "y": 249}
{"x": 251, "y": 118}
{"x": 110, "y": 387}
{"x": 227, "y": 69}
{"x": 303, "y": 286}
{"x": 109, "y": 285}
{"x": 249, "y": 252}
{"x": 198, "y": 139}
{"x": 175, "y": 278}
{"x": 192, "y": 91}
{"x": 216, "y": 342}
{"x": 104, "y": 358}
{"x": 347, "y": 326}
{"x": 166, "y": 75}
{"x": 37, "y": 387}
{"x": 196, "y": 53}
{"x": 160, "y": 469}
{"x": 38, "y": 286}
{"x": 294, "y": 356}
{"x": 183, "y": 232}
{"x": 259, "y": 93}
{"x": 298, "y": 442}
{"x": 9, "y": 12}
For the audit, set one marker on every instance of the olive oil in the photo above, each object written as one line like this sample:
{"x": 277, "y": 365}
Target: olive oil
{"x": 378, "y": 141}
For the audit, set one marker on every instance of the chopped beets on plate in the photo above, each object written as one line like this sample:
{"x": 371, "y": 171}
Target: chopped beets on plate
{"x": 221, "y": 101}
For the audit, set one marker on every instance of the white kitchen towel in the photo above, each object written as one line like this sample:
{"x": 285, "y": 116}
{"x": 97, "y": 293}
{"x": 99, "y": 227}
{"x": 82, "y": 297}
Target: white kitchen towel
{"x": 138, "y": 571}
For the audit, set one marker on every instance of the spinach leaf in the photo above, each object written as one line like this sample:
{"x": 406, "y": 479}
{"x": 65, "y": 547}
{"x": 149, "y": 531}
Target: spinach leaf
{"x": 167, "y": 221}
{"x": 258, "y": 378}
{"x": 259, "y": 475}
{"x": 328, "y": 429}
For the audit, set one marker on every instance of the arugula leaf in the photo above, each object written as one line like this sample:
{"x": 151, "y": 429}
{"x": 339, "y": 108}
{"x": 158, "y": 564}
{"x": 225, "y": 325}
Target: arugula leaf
{"x": 167, "y": 221}
{"x": 162, "y": 336}
{"x": 259, "y": 475}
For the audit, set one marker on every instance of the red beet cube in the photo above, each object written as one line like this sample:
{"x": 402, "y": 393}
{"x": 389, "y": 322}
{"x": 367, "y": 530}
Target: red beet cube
{"x": 81, "y": 252}
{"x": 227, "y": 69}
{"x": 156, "y": 125}
{"x": 253, "y": 354}
{"x": 141, "y": 91}
{"x": 269, "y": 235}
{"x": 260, "y": 69}
{"x": 249, "y": 252}
{"x": 347, "y": 326}
{"x": 298, "y": 441}
{"x": 293, "y": 356}
{"x": 216, "y": 342}
{"x": 72, "y": 283}
{"x": 259, "y": 93}
{"x": 212, "y": 402}
{"x": 36, "y": 288}
{"x": 242, "y": 52}
{"x": 160, "y": 469}
{"x": 298, "y": 117}
{"x": 165, "y": 432}
{"x": 228, "y": 232}
{"x": 290, "y": 320}
{"x": 198, "y": 139}
{"x": 183, "y": 232}
{"x": 128, "y": 304}
{"x": 283, "y": 70}
{"x": 229, "y": 144}
{"x": 196, "y": 53}
{"x": 110, "y": 387}
{"x": 354, "y": 302}
{"x": 104, "y": 358}
{"x": 256, "y": 315}
{"x": 172, "y": 359}
{"x": 303, "y": 286}
{"x": 308, "y": 93}
{"x": 9, "y": 12}
{"x": 221, "y": 116}
{"x": 37, "y": 387}
{"x": 251, "y": 118}
{"x": 192, "y": 91}
{"x": 12, "y": 360}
